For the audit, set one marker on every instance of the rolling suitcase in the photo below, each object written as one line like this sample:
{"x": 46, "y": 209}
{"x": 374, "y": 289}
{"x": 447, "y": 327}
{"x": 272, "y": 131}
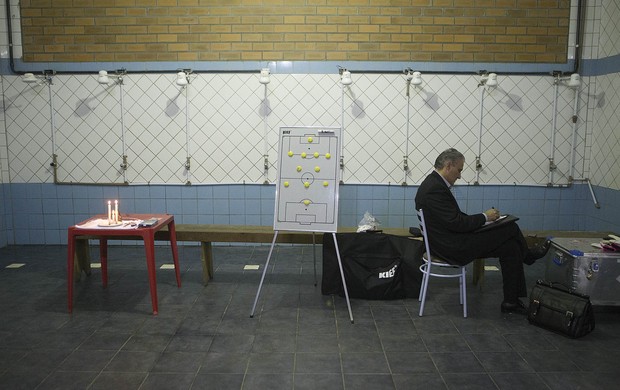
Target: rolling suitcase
{"x": 581, "y": 268}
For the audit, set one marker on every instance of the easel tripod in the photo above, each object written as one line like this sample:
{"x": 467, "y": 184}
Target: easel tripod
{"x": 344, "y": 284}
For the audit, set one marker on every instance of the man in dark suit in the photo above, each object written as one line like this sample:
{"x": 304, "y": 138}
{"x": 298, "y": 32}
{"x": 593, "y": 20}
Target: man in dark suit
{"x": 452, "y": 233}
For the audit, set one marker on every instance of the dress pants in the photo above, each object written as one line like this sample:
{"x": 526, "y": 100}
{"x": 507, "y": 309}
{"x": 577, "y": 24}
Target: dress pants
{"x": 505, "y": 242}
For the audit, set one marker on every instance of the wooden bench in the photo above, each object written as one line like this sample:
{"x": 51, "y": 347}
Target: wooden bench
{"x": 208, "y": 234}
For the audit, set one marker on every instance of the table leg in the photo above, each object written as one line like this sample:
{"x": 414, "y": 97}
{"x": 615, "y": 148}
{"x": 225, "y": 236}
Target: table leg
{"x": 149, "y": 246}
{"x": 103, "y": 258}
{"x": 70, "y": 265}
{"x": 77, "y": 267}
{"x": 206, "y": 256}
{"x": 175, "y": 252}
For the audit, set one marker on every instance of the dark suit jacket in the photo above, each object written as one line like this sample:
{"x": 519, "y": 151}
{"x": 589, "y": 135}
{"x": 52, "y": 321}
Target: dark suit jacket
{"x": 451, "y": 231}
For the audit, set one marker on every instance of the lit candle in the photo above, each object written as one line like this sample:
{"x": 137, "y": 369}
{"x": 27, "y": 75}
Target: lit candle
{"x": 116, "y": 211}
{"x": 109, "y": 212}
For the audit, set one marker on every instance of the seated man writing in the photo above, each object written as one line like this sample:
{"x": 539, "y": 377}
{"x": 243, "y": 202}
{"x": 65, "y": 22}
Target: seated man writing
{"x": 452, "y": 233}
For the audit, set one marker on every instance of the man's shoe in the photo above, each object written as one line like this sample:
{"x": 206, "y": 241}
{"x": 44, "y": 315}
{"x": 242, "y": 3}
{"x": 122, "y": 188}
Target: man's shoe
{"x": 517, "y": 307}
{"x": 536, "y": 252}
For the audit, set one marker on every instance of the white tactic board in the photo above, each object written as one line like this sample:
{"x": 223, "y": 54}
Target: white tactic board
{"x": 308, "y": 179}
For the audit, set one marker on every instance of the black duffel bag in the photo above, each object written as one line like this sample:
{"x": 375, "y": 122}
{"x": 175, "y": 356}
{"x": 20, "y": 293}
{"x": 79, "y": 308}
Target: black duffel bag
{"x": 375, "y": 265}
{"x": 555, "y": 308}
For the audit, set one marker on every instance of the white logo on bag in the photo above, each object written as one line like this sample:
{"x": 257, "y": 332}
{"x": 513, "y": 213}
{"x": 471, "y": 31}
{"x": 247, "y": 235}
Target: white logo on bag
{"x": 388, "y": 274}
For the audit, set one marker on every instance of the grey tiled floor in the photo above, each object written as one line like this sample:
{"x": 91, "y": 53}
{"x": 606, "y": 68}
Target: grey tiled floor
{"x": 204, "y": 338}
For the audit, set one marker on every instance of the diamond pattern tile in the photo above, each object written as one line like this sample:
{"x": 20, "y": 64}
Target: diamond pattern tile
{"x": 605, "y": 162}
{"x": 88, "y": 131}
{"x": 443, "y": 115}
{"x": 231, "y": 121}
{"x": 155, "y": 127}
{"x": 229, "y": 129}
{"x": 519, "y": 123}
{"x": 609, "y": 44}
{"x": 27, "y": 115}
{"x": 301, "y": 100}
{"x": 374, "y": 123}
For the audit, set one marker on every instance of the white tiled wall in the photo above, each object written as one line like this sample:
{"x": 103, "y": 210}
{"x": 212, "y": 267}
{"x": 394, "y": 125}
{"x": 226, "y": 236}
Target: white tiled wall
{"x": 4, "y": 53}
{"x": 591, "y": 29}
{"x": 227, "y": 128}
{"x": 4, "y": 162}
{"x": 606, "y": 138}
{"x": 605, "y": 161}
{"x": 609, "y": 43}
{"x": 604, "y": 100}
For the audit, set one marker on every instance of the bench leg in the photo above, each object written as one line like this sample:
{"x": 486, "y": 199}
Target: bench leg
{"x": 207, "y": 261}
{"x": 81, "y": 260}
{"x": 478, "y": 272}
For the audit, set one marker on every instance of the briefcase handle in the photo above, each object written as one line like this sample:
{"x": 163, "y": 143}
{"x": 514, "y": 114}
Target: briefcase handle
{"x": 562, "y": 287}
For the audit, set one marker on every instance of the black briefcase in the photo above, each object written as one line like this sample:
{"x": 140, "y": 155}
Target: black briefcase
{"x": 555, "y": 308}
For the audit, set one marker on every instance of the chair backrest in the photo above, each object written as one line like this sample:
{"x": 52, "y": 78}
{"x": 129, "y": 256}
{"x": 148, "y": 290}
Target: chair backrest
{"x": 424, "y": 234}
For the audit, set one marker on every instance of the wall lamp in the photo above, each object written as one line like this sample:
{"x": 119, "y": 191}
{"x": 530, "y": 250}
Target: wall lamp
{"x": 264, "y": 76}
{"x": 105, "y": 78}
{"x": 572, "y": 81}
{"x": 345, "y": 76}
{"x": 183, "y": 77}
{"x": 46, "y": 77}
{"x": 488, "y": 79}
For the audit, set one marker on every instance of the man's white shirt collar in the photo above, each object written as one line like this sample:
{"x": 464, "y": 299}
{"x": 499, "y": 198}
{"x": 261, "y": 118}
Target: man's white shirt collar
{"x": 444, "y": 180}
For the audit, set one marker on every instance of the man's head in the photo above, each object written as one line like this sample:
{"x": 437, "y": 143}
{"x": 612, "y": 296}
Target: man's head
{"x": 449, "y": 164}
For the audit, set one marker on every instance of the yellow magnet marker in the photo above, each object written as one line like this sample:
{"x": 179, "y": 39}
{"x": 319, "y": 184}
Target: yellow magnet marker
{"x": 328, "y": 155}
{"x": 325, "y": 183}
{"x": 310, "y": 139}
{"x": 286, "y": 184}
{"x": 290, "y": 153}
{"x": 299, "y": 168}
{"x": 317, "y": 169}
{"x": 303, "y": 154}
{"x": 306, "y": 202}
{"x": 316, "y": 155}
{"x": 307, "y": 184}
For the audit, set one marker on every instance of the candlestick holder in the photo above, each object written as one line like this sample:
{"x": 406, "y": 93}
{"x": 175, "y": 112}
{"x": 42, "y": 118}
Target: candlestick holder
{"x": 114, "y": 218}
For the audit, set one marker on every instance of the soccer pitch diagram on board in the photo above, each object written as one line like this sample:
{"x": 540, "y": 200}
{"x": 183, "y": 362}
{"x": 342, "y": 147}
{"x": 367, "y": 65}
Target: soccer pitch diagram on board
{"x": 308, "y": 179}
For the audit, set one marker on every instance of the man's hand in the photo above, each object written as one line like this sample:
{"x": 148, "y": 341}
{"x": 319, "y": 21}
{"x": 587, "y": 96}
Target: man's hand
{"x": 492, "y": 214}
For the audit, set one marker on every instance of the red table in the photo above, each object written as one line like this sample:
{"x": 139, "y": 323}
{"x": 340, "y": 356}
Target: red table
{"x": 90, "y": 229}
